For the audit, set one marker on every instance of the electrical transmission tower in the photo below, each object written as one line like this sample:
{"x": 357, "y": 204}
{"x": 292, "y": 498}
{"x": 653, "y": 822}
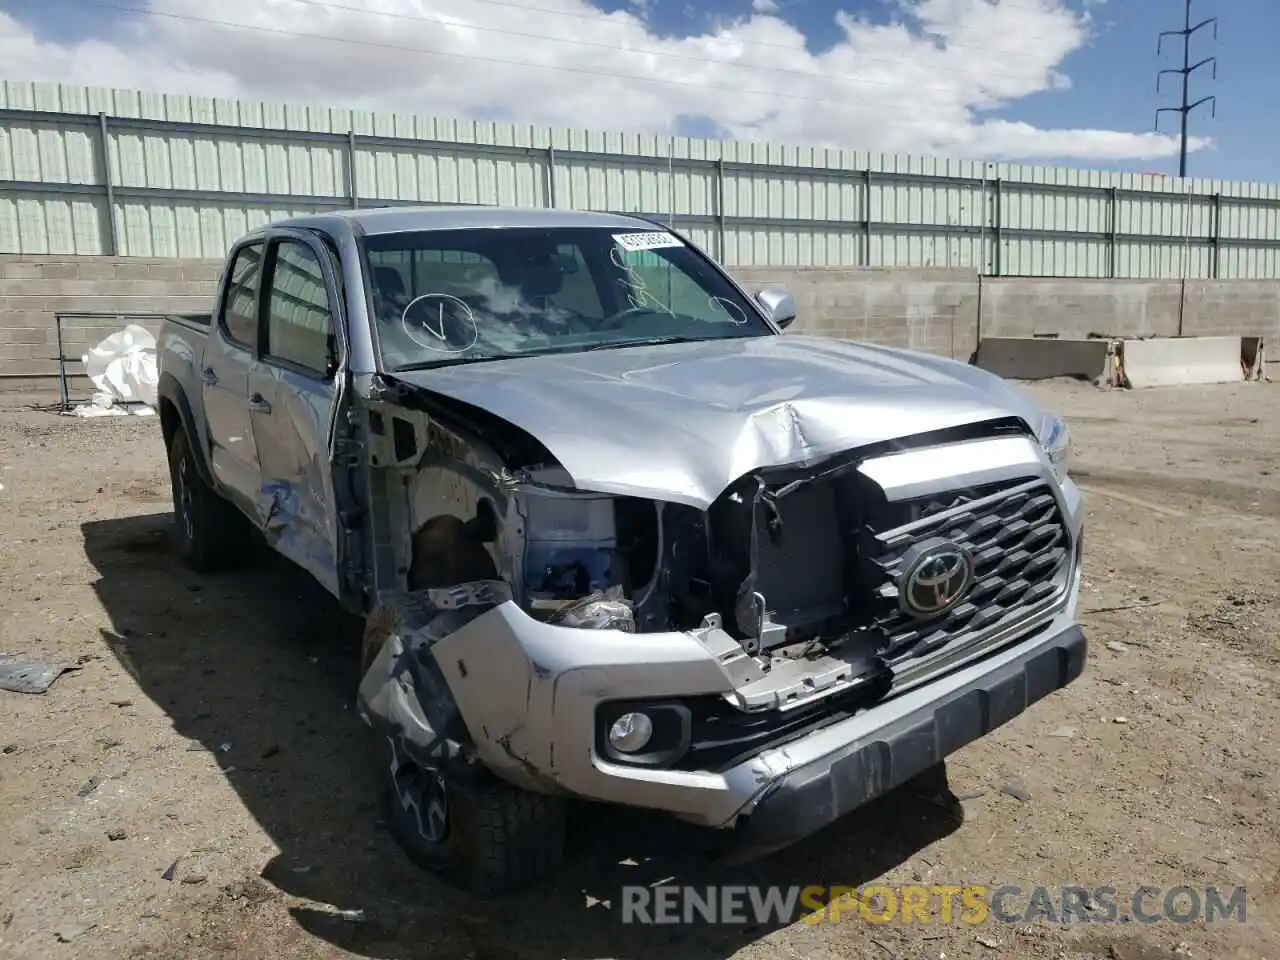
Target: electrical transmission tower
{"x": 1185, "y": 72}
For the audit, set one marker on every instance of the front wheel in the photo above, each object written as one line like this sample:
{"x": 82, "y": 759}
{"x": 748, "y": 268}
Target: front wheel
{"x": 490, "y": 838}
{"x": 486, "y": 835}
{"x": 211, "y": 533}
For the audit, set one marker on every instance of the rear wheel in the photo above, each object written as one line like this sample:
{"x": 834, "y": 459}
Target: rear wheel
{"x": 484, "y": 835}
{"x": 211, "y": 533}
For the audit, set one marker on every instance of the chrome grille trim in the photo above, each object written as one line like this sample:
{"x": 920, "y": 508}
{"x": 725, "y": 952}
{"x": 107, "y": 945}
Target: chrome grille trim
{"x": 1021, "y": 544}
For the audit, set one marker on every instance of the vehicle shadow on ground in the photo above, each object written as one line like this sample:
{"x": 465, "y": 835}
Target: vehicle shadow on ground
{"x": 259, "y": 666}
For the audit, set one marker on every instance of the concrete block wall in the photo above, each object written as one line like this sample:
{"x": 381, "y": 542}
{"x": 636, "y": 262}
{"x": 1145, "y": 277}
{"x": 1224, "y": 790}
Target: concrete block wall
{"x": 33, "y": 289}
{"x": 1243, "y": 308}
{"x": 935, "y": 310}
{"x": 945, "y": 312}
{"x": 1078, "y": 308}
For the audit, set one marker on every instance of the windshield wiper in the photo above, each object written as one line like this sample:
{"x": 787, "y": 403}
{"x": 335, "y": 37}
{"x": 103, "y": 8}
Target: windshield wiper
{"x": 433, "y": 364}
{"x": 643, "y": 342}
{"x": 558, "y": 348}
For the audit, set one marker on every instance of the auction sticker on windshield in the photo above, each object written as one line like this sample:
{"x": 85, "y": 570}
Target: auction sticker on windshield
{"x": 646, "y": 241}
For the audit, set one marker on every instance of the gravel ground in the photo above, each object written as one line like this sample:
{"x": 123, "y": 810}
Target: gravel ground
{"x": 198, "y": 786}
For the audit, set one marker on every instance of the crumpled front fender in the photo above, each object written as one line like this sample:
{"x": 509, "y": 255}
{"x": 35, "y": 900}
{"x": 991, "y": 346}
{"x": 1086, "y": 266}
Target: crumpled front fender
{"x": 403, "y": 695}
{"x": 528, "y": 690}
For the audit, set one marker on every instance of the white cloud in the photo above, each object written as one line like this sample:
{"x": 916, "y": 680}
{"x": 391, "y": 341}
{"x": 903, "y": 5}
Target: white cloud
{"x": 764, "y": 6}
{"x": 925, "y": 84}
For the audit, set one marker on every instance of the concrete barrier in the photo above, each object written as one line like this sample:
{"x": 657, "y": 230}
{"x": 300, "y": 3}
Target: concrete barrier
{"x": 1042, "y": 358}
{"x": 1173, "y": 361}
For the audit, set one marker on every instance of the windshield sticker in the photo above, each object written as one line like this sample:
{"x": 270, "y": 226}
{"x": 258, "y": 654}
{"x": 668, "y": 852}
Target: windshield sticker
{"x": 646, "y": 241}
{"x": 439, "y": 323}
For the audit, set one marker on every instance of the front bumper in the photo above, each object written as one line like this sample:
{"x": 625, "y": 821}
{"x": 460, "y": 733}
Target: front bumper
{"x": 902, "y": 740}
{"x": 528, "y": 693}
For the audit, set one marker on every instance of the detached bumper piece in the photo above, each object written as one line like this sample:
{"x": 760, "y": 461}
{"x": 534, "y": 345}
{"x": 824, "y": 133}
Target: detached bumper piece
{"x": 816, "y": 795}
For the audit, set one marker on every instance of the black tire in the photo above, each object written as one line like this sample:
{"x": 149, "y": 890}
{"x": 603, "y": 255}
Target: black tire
{"x": 497, "y": 839}
{"x": 482, "y": 834}
{"x": 211, "y": 533}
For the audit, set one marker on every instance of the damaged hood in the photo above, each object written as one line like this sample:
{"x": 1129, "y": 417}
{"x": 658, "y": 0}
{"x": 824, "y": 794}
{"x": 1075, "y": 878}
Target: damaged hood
{"x": 680, "y": 422}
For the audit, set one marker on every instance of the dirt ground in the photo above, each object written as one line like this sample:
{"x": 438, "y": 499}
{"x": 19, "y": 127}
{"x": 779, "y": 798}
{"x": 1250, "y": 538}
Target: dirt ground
{"x": 199, "y": 786}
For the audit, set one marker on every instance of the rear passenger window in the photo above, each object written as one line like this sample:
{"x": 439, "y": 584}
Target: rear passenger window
{"x": 298, "y": 323}
{"x": 240, "y": 317}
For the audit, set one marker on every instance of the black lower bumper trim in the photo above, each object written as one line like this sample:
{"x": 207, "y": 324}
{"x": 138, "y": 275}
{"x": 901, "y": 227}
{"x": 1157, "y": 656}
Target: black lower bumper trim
{"x": 813, "y": 796}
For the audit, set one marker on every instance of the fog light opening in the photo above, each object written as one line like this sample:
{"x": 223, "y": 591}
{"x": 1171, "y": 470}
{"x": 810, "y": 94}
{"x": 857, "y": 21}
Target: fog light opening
{"x": 631, "y": 732}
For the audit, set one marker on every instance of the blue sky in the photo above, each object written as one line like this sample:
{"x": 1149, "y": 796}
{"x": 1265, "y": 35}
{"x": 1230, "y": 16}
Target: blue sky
{"x": 1111, "y": 91}
{"x": 1114, "y": 83}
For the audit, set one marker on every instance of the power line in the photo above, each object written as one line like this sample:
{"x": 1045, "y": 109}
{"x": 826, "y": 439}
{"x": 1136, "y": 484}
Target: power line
{"x": 1185, "y": 72}
{"x": 666, "y": 81}
{"x": 603, "y": 20}
{"x": 596, "y": 17}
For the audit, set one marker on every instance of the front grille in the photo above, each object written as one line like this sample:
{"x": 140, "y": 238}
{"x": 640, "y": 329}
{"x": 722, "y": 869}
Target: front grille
{"x": 1021, "y": 548}
{"x": 1022, "y": 553}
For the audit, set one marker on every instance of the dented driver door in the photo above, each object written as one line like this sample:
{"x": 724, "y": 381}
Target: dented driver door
{"x": 293, "y": 393}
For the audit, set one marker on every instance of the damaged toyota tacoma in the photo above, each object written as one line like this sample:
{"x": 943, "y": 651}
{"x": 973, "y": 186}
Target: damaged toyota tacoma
{"x": 615, "y": 536}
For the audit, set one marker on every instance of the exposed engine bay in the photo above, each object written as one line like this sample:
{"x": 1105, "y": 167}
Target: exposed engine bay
{"x": 798, "y": 565}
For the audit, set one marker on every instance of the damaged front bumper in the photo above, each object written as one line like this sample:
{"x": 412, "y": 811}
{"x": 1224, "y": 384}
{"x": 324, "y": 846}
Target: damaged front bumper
{"x": 532, "y": 699}
{"x": 871, "y": 754}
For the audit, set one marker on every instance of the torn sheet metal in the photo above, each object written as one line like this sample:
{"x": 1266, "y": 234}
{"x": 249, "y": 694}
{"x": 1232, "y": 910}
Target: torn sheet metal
{"x": 403, "y": 695}
{"x": 123, "y": 369}
{"x": 680, "y": 422}
{"x": 26, "y": 676}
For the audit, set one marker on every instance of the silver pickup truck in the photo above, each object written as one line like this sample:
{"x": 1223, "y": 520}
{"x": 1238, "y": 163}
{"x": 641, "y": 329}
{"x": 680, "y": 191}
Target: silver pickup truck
{"x": 615, "y": 537}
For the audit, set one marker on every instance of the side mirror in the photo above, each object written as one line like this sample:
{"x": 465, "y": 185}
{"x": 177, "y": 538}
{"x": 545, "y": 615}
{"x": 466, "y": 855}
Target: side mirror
{"x": 779, "y": 304}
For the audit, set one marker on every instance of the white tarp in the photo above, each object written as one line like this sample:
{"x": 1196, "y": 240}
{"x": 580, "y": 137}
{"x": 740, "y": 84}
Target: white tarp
{"x": 123, "y": 368}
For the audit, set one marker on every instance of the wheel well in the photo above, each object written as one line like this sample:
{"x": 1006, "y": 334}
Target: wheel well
{"x": 174, "y": 413}
{"x": 170, "y": 420}
{"x": 448, "y": 551}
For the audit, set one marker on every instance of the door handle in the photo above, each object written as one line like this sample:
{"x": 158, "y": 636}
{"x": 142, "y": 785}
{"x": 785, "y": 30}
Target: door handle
{"x": 209, "y": 376}
{"x": 258, "y": 403}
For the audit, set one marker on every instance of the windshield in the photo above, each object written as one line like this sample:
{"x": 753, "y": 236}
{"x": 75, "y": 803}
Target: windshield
{"x": 456, "y": 296}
